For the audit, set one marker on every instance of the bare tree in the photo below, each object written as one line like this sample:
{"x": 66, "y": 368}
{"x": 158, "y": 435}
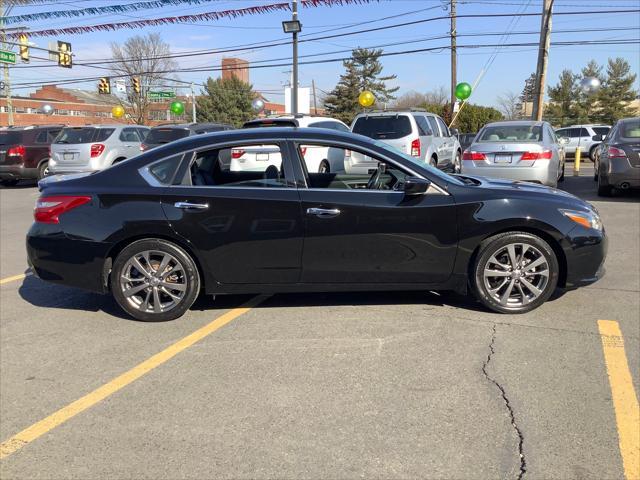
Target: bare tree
{"x": 412, "y": 99}
{"x": 437, "y": 96}
{"x": 510, "y": 106}
{"x": 147, "y": 58}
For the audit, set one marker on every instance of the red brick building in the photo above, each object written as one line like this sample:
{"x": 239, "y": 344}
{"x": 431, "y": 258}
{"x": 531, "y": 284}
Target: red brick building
{"x": 235, "y": 67}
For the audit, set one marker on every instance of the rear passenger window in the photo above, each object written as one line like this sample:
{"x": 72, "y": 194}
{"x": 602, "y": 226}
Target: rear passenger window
{"x": 42, "y": 137}
{"x": 239, "y": 166}
{"x": 443, "y": 127}
{"x": 129, "y": 135}
{"x": 165, "y": 170}
{"x": 103, "y": 134}
{"x": 434, "y": 126}
{"x": 423, "y": 125}
{"x": 330, "y": 125}
{"x": 51, "y": 135}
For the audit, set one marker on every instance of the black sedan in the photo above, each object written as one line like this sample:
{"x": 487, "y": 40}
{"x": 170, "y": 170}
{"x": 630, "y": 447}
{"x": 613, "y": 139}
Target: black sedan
{"x": 617, "y": 163}
{"x": 158, "y": 229}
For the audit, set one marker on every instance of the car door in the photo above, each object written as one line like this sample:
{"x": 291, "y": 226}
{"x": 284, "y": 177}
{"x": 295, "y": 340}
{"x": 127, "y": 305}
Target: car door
{"x": 356, "y": 234}
{"x": 585, "y": 140}
{"x": 129, "y": 144}
{"x": 426, "y": 136}
{"x": 448, "y": 142}
{"x": 436, "y": 139}
{"x": 245, "y": 225}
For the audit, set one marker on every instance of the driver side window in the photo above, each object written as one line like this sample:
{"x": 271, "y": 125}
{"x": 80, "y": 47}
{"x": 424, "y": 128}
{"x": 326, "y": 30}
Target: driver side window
{"x": 334, "y": 167}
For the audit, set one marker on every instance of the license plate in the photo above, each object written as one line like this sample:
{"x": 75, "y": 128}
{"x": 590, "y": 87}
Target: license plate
{"x": 502, "y": 159}
{"x": 68, "y": 156}
{"x": 262, "y": 157}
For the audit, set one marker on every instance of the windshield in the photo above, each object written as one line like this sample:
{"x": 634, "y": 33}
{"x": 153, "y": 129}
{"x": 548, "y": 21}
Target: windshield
{"x": 165, "y": 135}
{"x": 511, "y": 133}
{"x": 10, "y": 138}
{"x": 83, "y": 135}
{"x": 383, "y": 128}
{"x": 415, "y": 162}
{"x": 631, "y": 129}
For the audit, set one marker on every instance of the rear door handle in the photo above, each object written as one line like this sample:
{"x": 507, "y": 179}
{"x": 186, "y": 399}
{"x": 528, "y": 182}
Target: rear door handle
{"x": 191, "y": 206}
{"x": 323, "y": 212}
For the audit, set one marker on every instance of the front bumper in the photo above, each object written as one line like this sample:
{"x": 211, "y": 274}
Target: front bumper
{"x": 17, "y": 172}
{"x": 541, "y": 172}
{"x": 585, "y": 253}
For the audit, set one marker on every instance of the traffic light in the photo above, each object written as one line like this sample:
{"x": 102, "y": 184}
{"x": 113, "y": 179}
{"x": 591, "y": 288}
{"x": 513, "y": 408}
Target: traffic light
{"x": 23, "y": 40}
{"x": 104, "y": 86}
{"x": 64, "y": 54}
{"x": 135, "y": 83}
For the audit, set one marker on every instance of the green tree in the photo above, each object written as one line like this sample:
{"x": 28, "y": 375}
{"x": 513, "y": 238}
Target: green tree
{"x": 473, "y": 117}
{"x": 617, "y": 92}
{"x": 362, "y": 72}
{"x": 528, "y": 94}
{"x": 225, "y": 101}
{"x": 586, "y": 108}
{"x": 561, "y": 109}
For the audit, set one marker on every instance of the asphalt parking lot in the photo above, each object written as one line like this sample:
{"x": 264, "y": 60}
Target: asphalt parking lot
{"x": 382, "y": 385}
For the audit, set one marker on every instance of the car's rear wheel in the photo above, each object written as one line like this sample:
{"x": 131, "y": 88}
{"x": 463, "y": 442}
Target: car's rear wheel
{"x": 561, "y": 178}
{"x": 604, "y": 190}
{"x": 324, "y": 167}
{"x": 154, "y": 280}
{"x": 514, "y": 272}
{"x": 592, "y": 153}
{"x": 457, "y": 165}
{"x": 43, "y": 170}
{"x": 433, "y": 161}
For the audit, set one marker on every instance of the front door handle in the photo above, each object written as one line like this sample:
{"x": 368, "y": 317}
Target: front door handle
{"x": 191, "y": 206}
{"x": 323, "y": 212}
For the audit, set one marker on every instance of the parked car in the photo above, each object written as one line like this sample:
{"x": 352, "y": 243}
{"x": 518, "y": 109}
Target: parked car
{"x": 405, "y": 226}
{"x": 582, "y": 136}
{"x": 466, "y": 139}
{"x": 318, "y": 158}
{"x": 618, "y": 163}
{"x": 24, "y": 152}
{"x": 94, "y": 147}
{"x": 420, "y": 134}
{"x": 516, "y": 150}
{"x": 169, "y": 133}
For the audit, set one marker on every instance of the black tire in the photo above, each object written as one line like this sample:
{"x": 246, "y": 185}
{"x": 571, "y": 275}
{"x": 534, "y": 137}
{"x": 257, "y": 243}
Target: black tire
{"x": 324, "y": 167}
{"x": 498, "y": 243}
{"x": 457, "y": 165}
{"x": 9, "y": 182}
{"x": 43, "y": 170}
{"x": 118, "y": 160}
{"x": 604, "y": 190}
{"x": 592, "y": 153}
{"x": 561, "y": 178}
{"x": 433, "y": 161}
{"x": 190, "y": 279}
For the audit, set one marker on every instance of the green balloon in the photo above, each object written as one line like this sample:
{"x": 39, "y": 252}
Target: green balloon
{"x": 177, "y": 108}
{"x": 463, "y": 91}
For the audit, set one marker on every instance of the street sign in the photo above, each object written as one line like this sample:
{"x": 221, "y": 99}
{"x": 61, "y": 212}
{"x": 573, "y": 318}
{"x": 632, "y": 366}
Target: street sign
{"x": 161, "y": 94}
{"x": 7, "y": 57}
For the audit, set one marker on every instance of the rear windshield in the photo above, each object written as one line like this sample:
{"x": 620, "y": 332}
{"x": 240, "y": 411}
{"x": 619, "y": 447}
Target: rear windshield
{"x": 601, "y": 130}
{"x": 83, "y": 135}
{"x": 280, "y": 122}
{"x": 166, "y": 135}
{"x": 631, "y": 129}
{"x": 10, "y": 138}
{"x": 511, "y": 133}
{"x": 383, "y": 128}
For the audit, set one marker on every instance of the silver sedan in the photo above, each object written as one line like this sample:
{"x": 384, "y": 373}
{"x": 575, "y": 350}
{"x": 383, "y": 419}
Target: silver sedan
{"x": 516, "y": 150}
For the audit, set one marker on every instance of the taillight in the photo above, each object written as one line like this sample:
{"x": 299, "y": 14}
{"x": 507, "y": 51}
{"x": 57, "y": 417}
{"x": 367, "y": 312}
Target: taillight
{"x": 17, "y": 151}
{"x": 97, "y": 149}
{"x": 237, "y": 153}
{"x": 615, "y": 152}
{"x": 49, "y": 209}
{"x": 475, "y": 156}
{"x": 544, "y": 155}
{"x": 415, "y": 148}
{"x": 143, "y": 147}
{"x": 303, "y": 150}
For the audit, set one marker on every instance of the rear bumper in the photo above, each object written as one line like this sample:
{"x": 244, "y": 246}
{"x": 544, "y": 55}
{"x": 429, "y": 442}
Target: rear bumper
{"x": 58, "y": 169}
{"x": 17, "y": 172}
{"x": 544, "y": 173}
{"x": 620, "y": 172}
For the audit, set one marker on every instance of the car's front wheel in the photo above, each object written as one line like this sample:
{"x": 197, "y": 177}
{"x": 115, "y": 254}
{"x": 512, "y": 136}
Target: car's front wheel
{"x": 154, "y": 280}
{"x": 514, "y": 272}
{"x": 457, "y": 164}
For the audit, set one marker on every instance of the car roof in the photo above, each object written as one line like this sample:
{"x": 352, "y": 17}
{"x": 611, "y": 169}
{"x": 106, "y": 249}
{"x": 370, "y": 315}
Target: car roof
{"x": 515, "y": 123}
{"x": 191, "y": 126}
{"x": 392, "y": 113}
{"x": 587, "y": 125}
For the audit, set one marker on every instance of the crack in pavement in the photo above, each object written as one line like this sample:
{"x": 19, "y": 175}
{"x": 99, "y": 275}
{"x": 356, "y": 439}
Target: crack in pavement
{"x": 523, "y": 462}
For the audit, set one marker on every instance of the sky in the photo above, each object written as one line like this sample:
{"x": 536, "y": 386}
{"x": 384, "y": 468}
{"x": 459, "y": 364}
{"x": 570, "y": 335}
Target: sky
{"x": 496, "y": 70}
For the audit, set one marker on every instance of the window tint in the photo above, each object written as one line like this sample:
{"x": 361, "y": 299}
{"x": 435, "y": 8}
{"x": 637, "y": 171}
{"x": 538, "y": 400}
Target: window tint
{"x": 9, "y": 137}
{"x": 434, "y": 126}
{"x": 42, "y": 137}
{"x": 584, "y": 132}
{"x": 239, "y": 166}
{"x": 348, "y": 169}
{"x": 330, "y": 125}
{"x": 165, "y": 135}
{"x": 443, "y": 127}
{"x": 511, "y": 133}
{"x": 164, "y": 170}
{"x": 630, "y": 129}
{"x": 423, "y": 125}
{"x": 574, "y": 132}
{"x": 601, "y": 130}
{"x": 563, "y": 132}
{"x": 75, "y": 135}
{"x": 143, "y": 132}
{"x": 52, "y": 134}
{"x": 383, "y": 127}
{"x": 129, "y": 135}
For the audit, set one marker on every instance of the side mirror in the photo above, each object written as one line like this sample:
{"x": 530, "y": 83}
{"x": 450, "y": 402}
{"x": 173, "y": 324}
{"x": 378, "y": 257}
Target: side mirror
{"x": 415, "y": 186}
{"x": 597, "y": 138}
{"x": 563, "y": 140}
{"x": 454, "y": 132}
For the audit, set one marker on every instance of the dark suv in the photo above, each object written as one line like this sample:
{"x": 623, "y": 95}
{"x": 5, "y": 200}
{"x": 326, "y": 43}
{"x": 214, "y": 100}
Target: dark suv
{"x": 169, "y": 133}
{"x": 24, "y": 152}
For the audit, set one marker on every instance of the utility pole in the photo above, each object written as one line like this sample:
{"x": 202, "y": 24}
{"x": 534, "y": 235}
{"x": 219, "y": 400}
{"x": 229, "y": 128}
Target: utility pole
{"x": 193, "y": 104}
{"x": 294, "y": 87}
{"x": 454, "y": 56}
{"x": 7, "y": 78}
{"x": 315, "y": 103}
{"x": 543, "y": 59}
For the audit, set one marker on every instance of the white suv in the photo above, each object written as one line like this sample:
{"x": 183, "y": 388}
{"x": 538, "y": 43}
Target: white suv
{"x": 582, "y": 136}
{"x": 417, "y": 133}
{"x": 318, "y": 159}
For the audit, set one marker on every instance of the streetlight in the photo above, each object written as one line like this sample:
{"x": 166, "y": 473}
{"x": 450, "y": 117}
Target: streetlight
{"x": 294, "y": 27}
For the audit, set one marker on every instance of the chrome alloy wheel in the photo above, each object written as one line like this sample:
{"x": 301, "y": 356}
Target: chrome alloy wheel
{"x": 516, "y": 274}
{"x": 153, "y": 281}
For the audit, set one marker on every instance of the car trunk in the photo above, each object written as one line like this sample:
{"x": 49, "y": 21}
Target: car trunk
{"x": 72, "y": 155}
{"x": 9, "y": 140}
{"x": 632, "y": 149}
{"x": 501, "y": 154}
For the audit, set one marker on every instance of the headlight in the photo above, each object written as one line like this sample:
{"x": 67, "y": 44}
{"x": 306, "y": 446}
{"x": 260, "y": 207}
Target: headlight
{"x": 586, "y": 219}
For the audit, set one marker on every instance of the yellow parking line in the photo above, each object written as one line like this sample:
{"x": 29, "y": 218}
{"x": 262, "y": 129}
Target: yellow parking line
{"x": 38, "y": 429}
{"x": 625, "y": 402}
{"x": 14, "y": 278}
